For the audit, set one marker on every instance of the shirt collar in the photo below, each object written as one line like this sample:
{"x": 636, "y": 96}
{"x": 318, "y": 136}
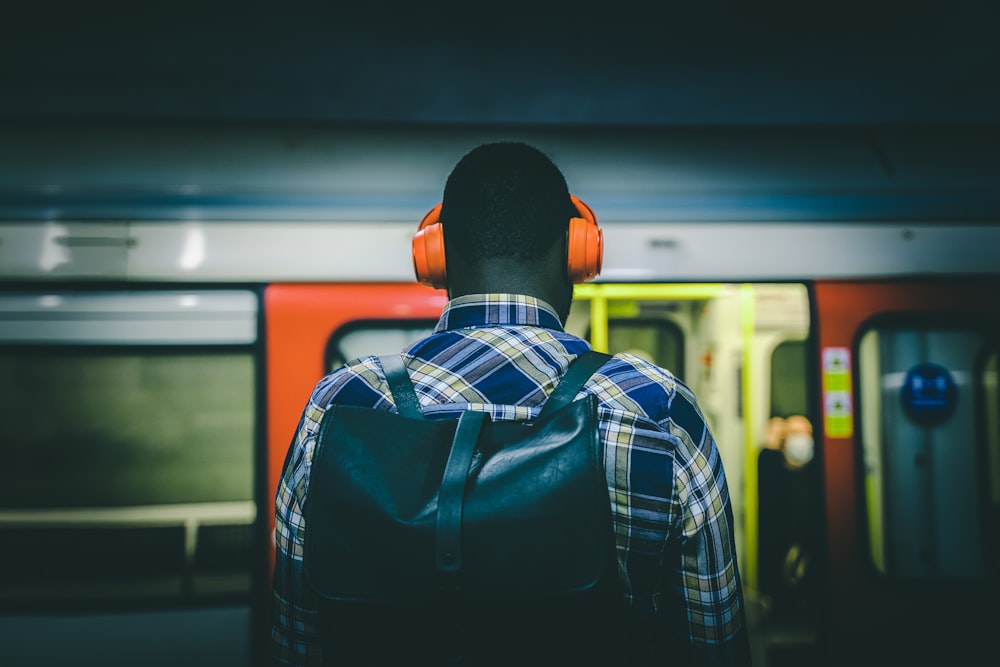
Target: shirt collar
{"x": 478, "y": 310}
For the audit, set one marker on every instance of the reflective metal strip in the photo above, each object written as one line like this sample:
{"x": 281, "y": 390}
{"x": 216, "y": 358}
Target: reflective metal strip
{"x": 234, "y": 512}
{"x": 139, "y": 318}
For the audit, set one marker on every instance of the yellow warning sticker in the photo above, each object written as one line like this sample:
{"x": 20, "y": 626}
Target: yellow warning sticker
{"x": 838, "y": 413}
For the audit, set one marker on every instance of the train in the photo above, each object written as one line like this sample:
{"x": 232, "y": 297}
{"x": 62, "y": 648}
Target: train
{"x": 170, "y": 292}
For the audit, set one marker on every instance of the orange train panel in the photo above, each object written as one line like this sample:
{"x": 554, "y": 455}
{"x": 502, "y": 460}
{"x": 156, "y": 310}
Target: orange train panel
{"x": 299, "y": 321}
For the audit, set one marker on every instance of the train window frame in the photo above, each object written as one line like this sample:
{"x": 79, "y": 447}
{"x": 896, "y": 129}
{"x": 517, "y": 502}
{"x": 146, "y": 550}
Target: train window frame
{"x": 137, "y": 322}
{"x": 963, "y": 321}
{"x": 369, "y": 324}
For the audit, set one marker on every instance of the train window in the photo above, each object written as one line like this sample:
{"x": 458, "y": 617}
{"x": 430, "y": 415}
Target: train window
{"x": 788, "y": 379}
{"x": 373, "y": 337}
{"x": 657, "y": 340}
{"x": 922, "y": 439}
{"x": 128, "y": 447}
{"x": 130, "y": 428}
{"x": 647, "y": 329}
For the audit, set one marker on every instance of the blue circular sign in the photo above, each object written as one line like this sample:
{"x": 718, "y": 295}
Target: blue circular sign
{"x": 929, "y": 394}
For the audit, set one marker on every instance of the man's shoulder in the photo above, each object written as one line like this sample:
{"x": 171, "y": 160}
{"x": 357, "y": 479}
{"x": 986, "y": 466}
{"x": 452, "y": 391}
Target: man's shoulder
{"x": 635, "y": 384}
{"x": 359, "y": 383}
{"x": 627, "y": 364}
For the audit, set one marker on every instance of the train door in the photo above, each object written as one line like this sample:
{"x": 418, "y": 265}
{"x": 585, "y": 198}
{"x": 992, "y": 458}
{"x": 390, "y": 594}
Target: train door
{"x": 912, "y": 469}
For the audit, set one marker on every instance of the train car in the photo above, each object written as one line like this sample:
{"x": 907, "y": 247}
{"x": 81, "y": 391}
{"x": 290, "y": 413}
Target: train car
{"x": 170, "y": 293}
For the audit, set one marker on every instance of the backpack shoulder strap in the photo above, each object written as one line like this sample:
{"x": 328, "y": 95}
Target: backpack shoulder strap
{"x": 580, "y": 370}
{"x": 400, "y": 386}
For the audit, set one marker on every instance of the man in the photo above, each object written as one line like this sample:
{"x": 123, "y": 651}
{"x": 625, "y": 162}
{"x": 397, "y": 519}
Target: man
{"x": 500, "y": 347}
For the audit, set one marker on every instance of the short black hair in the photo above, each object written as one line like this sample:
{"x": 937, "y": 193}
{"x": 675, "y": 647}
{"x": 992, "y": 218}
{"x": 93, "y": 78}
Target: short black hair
{"x": 505, "y": 199}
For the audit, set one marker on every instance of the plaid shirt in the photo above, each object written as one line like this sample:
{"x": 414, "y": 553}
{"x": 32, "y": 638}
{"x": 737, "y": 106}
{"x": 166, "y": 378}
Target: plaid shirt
{"x": 504, "y": 354}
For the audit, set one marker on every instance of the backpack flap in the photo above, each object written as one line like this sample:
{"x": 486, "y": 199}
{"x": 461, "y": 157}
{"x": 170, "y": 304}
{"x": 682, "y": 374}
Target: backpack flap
{"x": 534, "y": 518}
{"x": 537, "y": 519}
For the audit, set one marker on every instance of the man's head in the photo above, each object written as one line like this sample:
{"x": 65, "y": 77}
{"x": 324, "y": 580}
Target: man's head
{"x": 505, "y": 215}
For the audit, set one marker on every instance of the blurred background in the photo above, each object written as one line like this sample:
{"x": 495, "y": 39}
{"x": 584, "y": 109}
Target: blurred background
{"x": 169, "y": 158}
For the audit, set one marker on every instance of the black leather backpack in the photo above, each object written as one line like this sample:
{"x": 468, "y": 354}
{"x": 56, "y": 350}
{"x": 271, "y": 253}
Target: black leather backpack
{"x": 464, "y": 541}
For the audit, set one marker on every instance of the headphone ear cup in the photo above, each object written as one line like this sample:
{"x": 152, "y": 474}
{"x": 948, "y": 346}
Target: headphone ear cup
{"x": 428, "y": 251}
{"x": 586, "y": 250}
{"x": 585, "y": 241}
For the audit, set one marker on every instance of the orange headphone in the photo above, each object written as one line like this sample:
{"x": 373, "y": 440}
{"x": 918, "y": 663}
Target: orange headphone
{"x": 583, "y": 261}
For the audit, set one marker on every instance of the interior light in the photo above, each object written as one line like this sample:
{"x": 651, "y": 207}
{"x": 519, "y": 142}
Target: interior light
{"x": 50, "y": 301}
{"x": 193, "y": 252}
{"x": 54, "y": 253}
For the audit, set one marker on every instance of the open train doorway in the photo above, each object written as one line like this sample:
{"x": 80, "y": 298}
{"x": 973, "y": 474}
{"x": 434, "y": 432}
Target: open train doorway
{"x": 744, "y": 349}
